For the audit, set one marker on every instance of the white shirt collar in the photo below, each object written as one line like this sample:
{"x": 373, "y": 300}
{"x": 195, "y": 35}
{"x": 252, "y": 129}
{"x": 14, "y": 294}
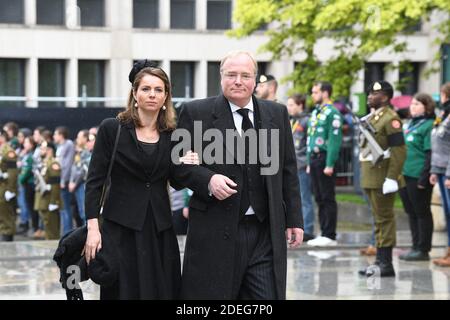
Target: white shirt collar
{"x": 234, "y": 107}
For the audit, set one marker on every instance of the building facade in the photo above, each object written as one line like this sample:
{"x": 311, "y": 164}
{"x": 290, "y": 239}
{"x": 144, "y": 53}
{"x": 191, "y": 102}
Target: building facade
{"x": 79, "y": 52}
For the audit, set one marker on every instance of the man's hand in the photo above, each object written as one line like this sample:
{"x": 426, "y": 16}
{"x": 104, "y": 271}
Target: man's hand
{"x": 294, "y": 236}
{"x": 219, "y": 186}
{"x": 308, "y": 169}
{"x": 52, "y": 207}
{"x": 62, "y": 185}
{"x": 433, "y": 179}
{"x": 447, "y": 183}
{"x": 72, "y": 186}
{"x": 9, "y": 195}
{"x": 390, "y": 186}
{"x": 328, "y": 171}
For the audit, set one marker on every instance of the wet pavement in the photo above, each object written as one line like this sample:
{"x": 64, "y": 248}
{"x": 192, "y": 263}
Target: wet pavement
{"x": 28, "y": 272}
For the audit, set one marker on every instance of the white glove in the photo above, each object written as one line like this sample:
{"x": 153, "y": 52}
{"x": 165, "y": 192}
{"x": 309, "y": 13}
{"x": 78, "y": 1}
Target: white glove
{"x": 52, "y": 207}
{"x": 48, "y": 187}
{"x": 9, "y": 195}
{"x": 389, "y": 186}
{"x": 5, "y": 175}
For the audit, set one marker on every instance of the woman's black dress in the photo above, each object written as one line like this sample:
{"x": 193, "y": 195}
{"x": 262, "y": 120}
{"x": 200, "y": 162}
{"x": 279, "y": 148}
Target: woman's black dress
{"x": 146, "y": 271}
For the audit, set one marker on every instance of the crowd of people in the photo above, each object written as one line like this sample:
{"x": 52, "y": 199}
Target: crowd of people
{"x": 239, "y": 219}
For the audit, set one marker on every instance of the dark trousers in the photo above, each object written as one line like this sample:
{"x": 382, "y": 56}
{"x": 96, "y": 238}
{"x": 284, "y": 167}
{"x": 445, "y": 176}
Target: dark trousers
{"x": 253, "y": 268}
{"x": 417, "y": 205}
{"x": 324, "y": 193}
{"x": 180, "y": 223}
{"x": 29, "y": 199}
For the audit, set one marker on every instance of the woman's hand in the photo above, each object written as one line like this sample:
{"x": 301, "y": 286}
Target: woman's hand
{"x": 93, "y": 240}
{"x": 190, "y": 158}
{"x": 447, "y": 183}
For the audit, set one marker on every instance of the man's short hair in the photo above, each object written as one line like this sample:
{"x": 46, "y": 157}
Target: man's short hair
{"x": 63, "y": 131}
{"x": 324, "y": 86}
{"x": 236, "y": 53}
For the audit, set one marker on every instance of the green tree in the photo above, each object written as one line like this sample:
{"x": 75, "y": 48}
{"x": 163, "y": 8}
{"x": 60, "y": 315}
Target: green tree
{"x": 359, "y": 28}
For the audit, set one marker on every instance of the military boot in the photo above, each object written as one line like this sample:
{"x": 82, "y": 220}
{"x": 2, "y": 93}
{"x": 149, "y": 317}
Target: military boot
{"x": 386, "y": 269}
{"x": 7, "y": 237}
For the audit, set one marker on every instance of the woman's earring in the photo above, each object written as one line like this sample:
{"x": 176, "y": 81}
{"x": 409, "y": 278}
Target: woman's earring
{"x": 136, "y": 105}
{"x": 164, "y": 107}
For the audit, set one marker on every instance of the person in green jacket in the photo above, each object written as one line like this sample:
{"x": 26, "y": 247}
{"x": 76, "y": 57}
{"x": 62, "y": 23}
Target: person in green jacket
{"x": 416, "y": 196}
{"x": 322, "y": 151}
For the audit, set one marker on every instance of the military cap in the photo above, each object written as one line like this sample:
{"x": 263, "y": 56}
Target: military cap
{"x": 265, "y": 78}
{"x": 382, "y": 86}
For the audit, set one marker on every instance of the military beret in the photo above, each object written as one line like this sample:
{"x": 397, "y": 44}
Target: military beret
{"x": 265, "y": 78}
{"x": 382, "y": 86}
{"x": 138, "y": 66}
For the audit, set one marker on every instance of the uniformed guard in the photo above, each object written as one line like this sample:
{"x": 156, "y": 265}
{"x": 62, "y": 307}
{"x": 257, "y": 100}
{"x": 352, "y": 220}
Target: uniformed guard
{"x": 323, "y": 146}
{"x": 383, "y": 179}
{"x": 48, "y": 191}
{"x": 8, "y": 188}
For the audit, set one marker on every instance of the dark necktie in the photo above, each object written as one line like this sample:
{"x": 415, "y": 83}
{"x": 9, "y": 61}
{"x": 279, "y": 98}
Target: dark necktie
{"x": 246, "y": 124}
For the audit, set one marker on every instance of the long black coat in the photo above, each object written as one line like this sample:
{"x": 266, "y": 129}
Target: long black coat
{"x": 210, "y": 244}
{"x": 132, "y": 187}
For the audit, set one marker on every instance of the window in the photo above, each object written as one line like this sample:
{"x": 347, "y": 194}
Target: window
{"x": 214, "y": 87}
{"x": 12, "y": 80}
{"x": 445, "y": 63}
{"x": 373, "y": 71}
{"x": 11, "y": 11}
{"x": 219, "y": 15}
{"x": 91, "y": 79}
{"x": 92, "y": 12}
{"x": 182, "y": 14}
{"x": 146, "y": 13}
{"x": 51, "y": 81}
{"x": 262, "y": 68}
{"x": 50, "y": 12}
{"x": 409, "y": 79}
{"x": 182, "y": 75}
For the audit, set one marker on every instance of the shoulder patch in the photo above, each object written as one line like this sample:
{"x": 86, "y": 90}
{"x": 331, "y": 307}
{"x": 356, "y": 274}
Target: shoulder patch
{"x": 11, "y": 154}
{"x": 56, "y": 167}
{"x": 336, "y": 123}
{"x": 396, "y": 124}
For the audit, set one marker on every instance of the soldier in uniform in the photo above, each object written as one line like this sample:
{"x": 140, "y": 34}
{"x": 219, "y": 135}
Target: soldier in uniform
{"x": 48, "y": 191}
{"x": 382, "y": 180}
{"x": 323, "y": 145}
{"x": 8, "y": 188}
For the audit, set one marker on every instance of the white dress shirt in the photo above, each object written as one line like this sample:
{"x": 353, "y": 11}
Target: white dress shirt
{"x": 237, "y": 118}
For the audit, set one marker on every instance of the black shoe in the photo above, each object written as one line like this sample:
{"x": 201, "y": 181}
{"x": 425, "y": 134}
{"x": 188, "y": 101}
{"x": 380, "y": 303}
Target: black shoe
{"x": 416, "y": 255}
{"x": 7, "y": 238}
{"x": 308, "y": 236}
{"x": 22, "y": 229}
{"x": 381, "y": 270}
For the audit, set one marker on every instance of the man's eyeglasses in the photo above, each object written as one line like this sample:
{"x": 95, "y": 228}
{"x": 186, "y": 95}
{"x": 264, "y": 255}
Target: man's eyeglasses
{"x": 235, "y": 75}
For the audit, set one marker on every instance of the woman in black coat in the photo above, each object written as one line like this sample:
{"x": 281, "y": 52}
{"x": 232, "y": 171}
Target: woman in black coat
{"x": 137, "y": 216}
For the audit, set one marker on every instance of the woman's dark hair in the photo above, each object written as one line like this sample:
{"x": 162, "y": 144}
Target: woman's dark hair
{"x": 427, "y": 101}
{"x": 31, "y": 140}
{"x": 299, "y": 99}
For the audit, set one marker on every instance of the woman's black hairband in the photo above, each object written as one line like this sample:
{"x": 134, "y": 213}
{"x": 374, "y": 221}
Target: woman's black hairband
{"x": 138, "y": 66}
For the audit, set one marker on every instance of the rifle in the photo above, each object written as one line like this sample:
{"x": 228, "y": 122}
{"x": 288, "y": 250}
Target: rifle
{"x": 41, "y": 185}
{"x": 367, "y": 142}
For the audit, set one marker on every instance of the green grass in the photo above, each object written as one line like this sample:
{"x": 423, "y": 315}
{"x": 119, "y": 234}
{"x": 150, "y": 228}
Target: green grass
{"x": 358, "y": 199}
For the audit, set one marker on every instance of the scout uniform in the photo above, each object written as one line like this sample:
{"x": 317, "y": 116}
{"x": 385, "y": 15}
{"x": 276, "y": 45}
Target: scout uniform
{"x": 325, "y": 133}
{"x": 323, "y": 145}
{"x": 49, "y": 200}
{"x": 8, "y": 190}
{"x": 389, "y": 136}
{"x": 418, "y": 141}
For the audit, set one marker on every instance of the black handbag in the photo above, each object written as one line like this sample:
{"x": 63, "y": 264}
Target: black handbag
{"x": 105, "y": 267}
